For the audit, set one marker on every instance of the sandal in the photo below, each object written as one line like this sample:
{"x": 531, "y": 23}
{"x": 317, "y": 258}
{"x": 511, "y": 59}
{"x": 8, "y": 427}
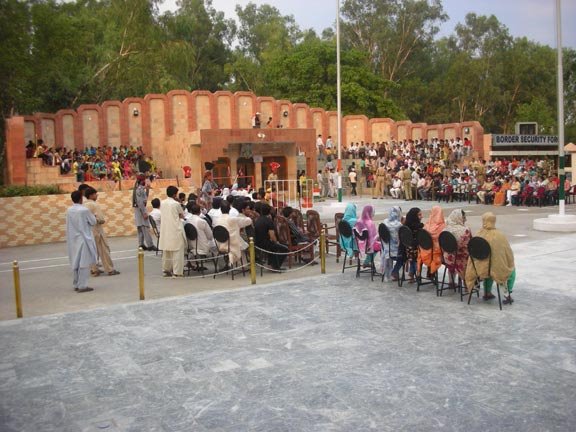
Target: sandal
{"x": 95, "y": 273}
{"x": 113, "y": 273}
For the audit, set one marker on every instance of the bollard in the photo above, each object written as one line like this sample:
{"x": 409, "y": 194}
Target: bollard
{"x": 141, "y": 272}
{"x": 323, "y": 252}
{"x": 252, "y": 261}
{"x": 17, "y": 294}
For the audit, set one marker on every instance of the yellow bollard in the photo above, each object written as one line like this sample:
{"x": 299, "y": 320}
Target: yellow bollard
{"x": 323, "y": 252}
{"x": 17, "y": 294}
{"x": 252, "y": 261}
{"x": 141, "y": 272}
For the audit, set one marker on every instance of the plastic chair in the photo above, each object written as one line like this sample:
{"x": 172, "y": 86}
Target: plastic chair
{"x": 345, "y": 233}
{"x": 426, "y": 243}
{"x": 449, "y": 245}
{"x": 192, "y": 253}
{"x": 479, "y": 250}
{"x": 222, "y": 240}
{"x": 156, "y": 232}
{"x": 385, "y": 238}
{"x": 368, "y": 251}
{"x": 408, "y": 241}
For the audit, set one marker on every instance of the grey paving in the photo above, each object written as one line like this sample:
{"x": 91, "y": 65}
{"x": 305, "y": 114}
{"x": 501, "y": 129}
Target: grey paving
{"x": 328, "y": 353}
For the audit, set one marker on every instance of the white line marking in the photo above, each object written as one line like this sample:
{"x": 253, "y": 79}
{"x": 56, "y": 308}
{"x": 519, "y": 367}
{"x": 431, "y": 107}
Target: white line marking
{"x": 58, "y": 258}
{"x": 60, "y": 265}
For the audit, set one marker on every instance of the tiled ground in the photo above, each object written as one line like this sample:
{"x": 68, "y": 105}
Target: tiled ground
{"x": 330, "y": 353}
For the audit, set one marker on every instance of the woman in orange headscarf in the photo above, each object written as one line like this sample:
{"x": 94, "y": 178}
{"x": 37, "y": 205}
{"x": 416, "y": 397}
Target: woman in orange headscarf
{"x": 432, "y": 258}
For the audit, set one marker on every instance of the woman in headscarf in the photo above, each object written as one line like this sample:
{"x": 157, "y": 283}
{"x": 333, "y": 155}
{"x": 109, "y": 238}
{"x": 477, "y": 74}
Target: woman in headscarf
{"x": 432, "y": 258}
{"x": 348, "y": 244}
{"x": 414, "y": 222}
{"x": 456, "y": 263}
{"x": 370, "y": 246}
{"x": 500, "y": 267}
{"x": 393, "y": 223}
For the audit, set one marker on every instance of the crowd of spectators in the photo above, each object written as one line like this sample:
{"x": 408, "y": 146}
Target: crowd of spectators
{"x": 96, "y": 163}
{"x": 443, "y": 170}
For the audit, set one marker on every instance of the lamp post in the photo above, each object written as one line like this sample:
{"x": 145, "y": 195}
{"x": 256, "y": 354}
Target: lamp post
{"x": 560, "y": 89}
{"x": 338, "y": 101}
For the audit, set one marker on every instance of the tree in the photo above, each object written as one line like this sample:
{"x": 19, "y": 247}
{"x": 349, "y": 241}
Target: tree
{"x": 263, "y": 34}
{"x": 539, "y": 111}
{"x": 391, "y": 32}
{"x": 196, "y": 47}
{"x": 308, "y": 74}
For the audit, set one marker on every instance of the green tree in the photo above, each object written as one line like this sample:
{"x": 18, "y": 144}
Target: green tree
{"x": 308, "y": 74}
{"x": 539, "y": 111}
{"x": 196, "y": 47}
{"x": 391, "y": 32}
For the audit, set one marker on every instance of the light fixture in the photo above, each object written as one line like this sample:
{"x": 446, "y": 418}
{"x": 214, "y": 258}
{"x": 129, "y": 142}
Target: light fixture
{"x": 466, "y": 131}
{"x": 135, "y": 112}
{"x": 285, "y": 113}
{"x": 261, "y": 135}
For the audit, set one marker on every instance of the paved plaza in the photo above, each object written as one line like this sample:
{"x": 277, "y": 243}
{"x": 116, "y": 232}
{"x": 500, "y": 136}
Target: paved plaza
{"x": 296, "y": 352}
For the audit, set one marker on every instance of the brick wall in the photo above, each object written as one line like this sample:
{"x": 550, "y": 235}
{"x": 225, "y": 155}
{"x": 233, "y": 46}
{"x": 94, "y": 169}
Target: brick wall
{"x": 42, "y": 219}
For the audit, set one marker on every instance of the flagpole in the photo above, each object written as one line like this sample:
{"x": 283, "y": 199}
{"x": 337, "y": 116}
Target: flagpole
{"x": 338, "y": 101}
{"x": 560, "y": 89}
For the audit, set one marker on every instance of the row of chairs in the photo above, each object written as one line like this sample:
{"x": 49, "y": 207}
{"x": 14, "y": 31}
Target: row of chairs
{"x": 478, "y": 249}
{"x": 222, "y": 239}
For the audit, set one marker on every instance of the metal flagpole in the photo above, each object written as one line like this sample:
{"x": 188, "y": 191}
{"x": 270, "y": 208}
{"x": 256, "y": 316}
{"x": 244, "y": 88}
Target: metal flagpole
{"x": 339, "y": 101}
{"x": 560, "y": 87}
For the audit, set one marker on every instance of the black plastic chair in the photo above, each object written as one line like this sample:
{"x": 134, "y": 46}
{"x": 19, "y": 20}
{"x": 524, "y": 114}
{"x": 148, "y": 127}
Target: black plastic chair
{"x": 479, "y": 250}
{"x": 408, "y": 241}
{"x": 192, "y": 252}
{"x": 156, "y": 232}
{"x": 222, "y": 240}
{"x": 363, "y": 237}
{"x": 345, "y": 233}
{"x": 426, "y": 243}
{"x": 385, "y": 238}
{"x": 449, "y": 245}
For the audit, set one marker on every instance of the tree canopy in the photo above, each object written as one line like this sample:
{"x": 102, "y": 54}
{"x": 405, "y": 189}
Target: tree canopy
{"x": 58, "y": 55}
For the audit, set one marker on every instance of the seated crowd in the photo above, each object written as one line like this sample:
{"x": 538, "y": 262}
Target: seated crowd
{"x": 396, "y": 256}
{"x": 243, "y": 215}
{"x": 95, "y": 163}
{"x": 444, "y": 170}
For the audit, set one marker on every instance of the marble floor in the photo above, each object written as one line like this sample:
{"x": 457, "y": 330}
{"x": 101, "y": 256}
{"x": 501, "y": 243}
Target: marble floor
{"x": 328, "y": 353}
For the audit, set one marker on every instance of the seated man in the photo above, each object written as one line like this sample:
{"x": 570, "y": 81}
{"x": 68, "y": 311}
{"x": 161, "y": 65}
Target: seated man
{"x": 486, "y": 190}
{"x": 205, "y": 245}
{"x": 233, "y": 225}
{"x": 265, "y": 238}
{"x": 296, "y": 234}
{"x": 155, "y": 213}
{"x": 499, "y": 268}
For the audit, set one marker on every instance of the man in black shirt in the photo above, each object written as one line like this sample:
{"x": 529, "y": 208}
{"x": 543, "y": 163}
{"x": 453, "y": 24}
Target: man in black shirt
{"x": 265, "y": 238}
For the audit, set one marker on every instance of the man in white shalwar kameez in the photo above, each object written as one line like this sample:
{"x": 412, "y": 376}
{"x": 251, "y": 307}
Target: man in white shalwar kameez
{"x": 172, "y": 237}
{"x": 81, "y": 246}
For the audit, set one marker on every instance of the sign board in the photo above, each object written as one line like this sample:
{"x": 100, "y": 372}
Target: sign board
{"x": 524, "y": 140}
{"x": 258, "y": 159}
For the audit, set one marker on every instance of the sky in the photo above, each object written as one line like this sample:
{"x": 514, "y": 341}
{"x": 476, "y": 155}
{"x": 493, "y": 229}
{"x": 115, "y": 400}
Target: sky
{"x": 534, "y": 19}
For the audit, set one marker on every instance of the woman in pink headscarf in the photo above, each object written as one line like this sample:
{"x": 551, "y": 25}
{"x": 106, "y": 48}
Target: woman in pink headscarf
{"x": 435, "y": 225}
{"x": 366, "y": 223}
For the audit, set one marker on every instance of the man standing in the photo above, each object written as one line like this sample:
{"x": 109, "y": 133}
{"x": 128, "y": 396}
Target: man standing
{"x": 352, "y": 178}
{"x": 99, "y": 236}
{"x": 406, "y": 183}
{"x": 172, "y": 237}
{"x": 139, "y": 199}
{"x": 380, "y": 179}
{"x": 81, "y": 246}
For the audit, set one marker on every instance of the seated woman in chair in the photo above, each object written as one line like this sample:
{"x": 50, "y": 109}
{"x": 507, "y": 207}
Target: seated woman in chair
{"x": 456, "y": 263}
{"x": 393, "y": 223}
{"x": 370, "y": 246}
{"x": 350, "y": 217}
{"x": 432, "y": 258}
{"x": 500, "y": 267}
{"x": 414, "y": 222}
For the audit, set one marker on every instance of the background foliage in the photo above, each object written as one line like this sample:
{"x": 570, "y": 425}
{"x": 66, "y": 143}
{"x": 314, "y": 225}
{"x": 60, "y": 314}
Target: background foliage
{"x": 56, "y": 55}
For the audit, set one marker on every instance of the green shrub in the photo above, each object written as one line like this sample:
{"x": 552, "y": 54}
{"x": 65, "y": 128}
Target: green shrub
{"x": 18, "y": 190}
